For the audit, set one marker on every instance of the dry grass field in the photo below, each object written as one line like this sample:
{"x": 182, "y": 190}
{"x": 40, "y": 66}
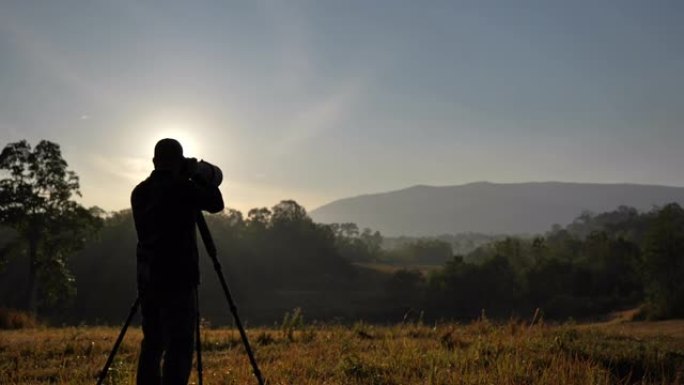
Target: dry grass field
{"x": 478, "y": 353}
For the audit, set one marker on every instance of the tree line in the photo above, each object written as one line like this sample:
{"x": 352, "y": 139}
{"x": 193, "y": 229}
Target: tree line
{"x": 598, "y": 263}
{"x": 73, "y": 264}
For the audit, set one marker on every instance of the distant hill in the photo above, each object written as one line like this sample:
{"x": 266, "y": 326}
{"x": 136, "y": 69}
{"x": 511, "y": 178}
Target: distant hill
{"x": 515, "y": 208}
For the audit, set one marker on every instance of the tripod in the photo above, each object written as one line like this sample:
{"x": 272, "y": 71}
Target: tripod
{"x": 211, "y": 250}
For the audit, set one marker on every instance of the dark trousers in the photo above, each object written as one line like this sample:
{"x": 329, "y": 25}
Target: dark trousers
{"x": 168, "y": 324}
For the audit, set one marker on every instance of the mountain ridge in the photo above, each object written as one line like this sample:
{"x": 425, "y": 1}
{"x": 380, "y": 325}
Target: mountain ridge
{"x": 489, "y": 207}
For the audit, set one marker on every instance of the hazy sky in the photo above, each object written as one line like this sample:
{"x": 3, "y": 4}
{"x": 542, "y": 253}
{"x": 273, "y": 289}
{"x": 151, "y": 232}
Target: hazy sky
{"x": 318, "y": 100}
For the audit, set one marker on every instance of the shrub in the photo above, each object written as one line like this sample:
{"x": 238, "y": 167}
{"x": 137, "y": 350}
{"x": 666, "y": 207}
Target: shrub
{"x": 17, "y": 319}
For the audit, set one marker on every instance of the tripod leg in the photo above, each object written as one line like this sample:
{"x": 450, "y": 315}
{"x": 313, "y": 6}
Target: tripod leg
{"x": 211, "y": 250}
{"x": 105, "y": 370}
{"x": 198, "y": 341}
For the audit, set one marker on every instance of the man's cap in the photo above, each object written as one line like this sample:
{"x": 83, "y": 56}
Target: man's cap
{"x": 168, "y": 150}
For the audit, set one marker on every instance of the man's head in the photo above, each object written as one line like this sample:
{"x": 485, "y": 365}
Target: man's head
{"x": 168, "y": 155}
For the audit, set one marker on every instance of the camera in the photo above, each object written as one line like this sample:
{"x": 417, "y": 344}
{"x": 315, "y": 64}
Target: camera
{"x": 202, "y": 172}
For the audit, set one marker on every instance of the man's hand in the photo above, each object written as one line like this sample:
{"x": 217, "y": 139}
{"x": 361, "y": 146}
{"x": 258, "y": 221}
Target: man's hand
{"x": 189, "y": 167}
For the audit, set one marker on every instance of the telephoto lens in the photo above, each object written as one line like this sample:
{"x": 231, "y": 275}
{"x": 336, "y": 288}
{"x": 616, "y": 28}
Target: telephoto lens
{"x": 208, "y": 173}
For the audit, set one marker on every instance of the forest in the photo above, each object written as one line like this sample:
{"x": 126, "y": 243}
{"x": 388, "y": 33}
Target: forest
{"x": 277, "y": 260}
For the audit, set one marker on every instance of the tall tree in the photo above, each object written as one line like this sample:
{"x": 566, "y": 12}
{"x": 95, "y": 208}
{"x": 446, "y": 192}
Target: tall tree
{"x": 36, "y": 201}
{"x": 288, "y": 212}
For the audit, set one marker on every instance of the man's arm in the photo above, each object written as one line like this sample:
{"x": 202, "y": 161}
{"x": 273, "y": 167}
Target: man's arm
{"x": 206, "y": 197}
{"x": 135, "y": 207}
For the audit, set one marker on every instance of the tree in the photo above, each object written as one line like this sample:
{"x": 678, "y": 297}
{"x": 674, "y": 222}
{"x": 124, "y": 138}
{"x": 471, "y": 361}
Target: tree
{"x": 373, "y": 241}
{"x": 664, "y": 263}
{"x": 356, "y": 246}
{"x": 288, "y": 212}
{"x": 234, "y": 218}
{"x": 36, "y": 201}
{"x": 259, "y": 217}
{"x": 427, "y": 251}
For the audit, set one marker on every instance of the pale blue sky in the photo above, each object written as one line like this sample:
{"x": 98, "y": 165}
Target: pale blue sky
{"x": 318, "y": 100}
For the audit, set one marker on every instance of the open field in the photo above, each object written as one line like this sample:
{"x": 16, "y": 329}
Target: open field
{"x": 476, "y": 353}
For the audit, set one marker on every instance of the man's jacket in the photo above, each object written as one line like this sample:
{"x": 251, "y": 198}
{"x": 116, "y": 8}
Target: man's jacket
{"x": 165, "y": 210}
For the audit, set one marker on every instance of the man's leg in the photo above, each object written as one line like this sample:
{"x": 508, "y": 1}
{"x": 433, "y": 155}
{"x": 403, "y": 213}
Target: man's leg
{"x": 151, "y": 346}
{"x": 179, "y": 327}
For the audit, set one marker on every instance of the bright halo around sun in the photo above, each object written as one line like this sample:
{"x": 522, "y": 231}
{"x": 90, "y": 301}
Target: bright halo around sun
{"x": 184, "y": 135}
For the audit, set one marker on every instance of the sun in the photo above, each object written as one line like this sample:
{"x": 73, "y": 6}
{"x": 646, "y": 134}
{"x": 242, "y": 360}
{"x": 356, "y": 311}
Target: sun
{"x": 184, "y": 135}
{"x": 185, "y": 126}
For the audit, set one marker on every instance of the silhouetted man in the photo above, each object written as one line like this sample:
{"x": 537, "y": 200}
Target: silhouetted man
{"x": 165, "y": 206}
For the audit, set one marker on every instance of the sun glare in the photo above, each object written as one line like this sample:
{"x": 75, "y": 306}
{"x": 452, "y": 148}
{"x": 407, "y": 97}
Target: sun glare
{"x": 181, "y": 134}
